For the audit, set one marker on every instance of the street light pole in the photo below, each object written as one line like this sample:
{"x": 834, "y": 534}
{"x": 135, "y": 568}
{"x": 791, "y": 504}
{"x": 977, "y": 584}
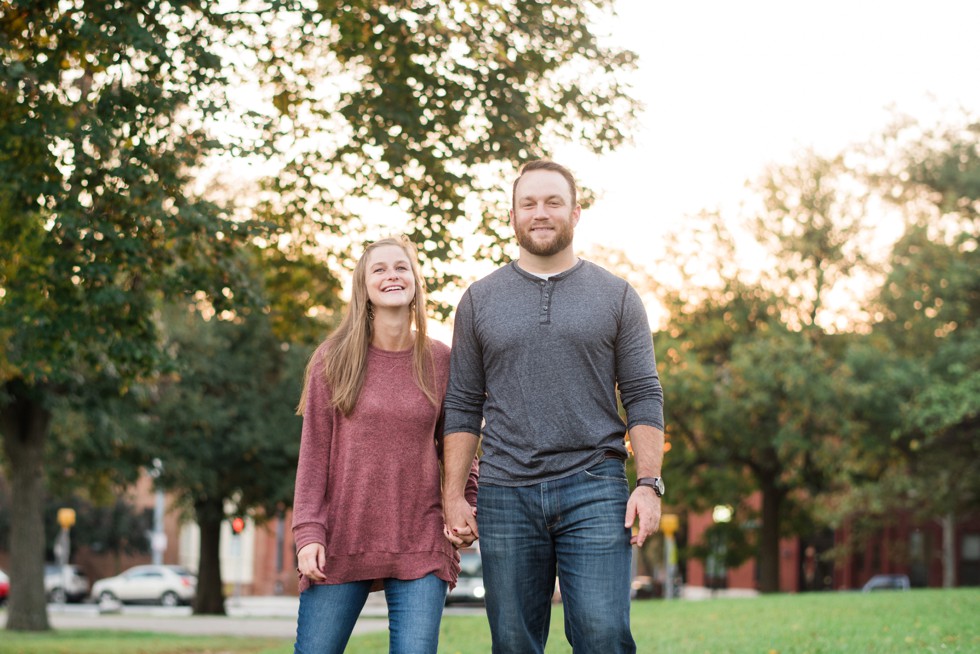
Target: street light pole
{"x": 669, "y": 523}
{"x": 66, "y": 519}
{"x": 722, "y": 514}
{"x": 158, "y": 539}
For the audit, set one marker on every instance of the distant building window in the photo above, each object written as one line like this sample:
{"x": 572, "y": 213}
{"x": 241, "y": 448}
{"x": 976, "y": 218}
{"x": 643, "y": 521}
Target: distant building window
{"x": 971, "y": 547}
{"x": 969, "y": 568}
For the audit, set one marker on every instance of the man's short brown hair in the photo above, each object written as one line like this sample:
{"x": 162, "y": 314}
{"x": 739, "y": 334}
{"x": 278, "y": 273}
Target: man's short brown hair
{"x": 545, "y": 164}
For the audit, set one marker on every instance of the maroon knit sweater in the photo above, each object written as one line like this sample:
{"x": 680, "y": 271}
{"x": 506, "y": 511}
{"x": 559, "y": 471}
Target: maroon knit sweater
{"x": 368, "y": 484}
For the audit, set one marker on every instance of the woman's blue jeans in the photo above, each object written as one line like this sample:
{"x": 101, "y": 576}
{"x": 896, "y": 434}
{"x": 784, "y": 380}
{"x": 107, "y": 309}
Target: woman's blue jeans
{"x": 573, "y": 526}
{"x": 328, "y": 613}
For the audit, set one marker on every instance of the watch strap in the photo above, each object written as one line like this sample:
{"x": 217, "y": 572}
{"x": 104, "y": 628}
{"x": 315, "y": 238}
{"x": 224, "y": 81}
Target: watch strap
{"x": 656, "y": 483}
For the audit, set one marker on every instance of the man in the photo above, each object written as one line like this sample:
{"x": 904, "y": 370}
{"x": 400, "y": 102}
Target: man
{"x": 539, "y": 347}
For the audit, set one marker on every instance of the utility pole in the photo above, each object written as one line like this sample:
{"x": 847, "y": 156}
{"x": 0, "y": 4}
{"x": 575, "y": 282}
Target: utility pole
{"x": 158, "y": 539}
{"x": 62, "y": 548}
{"x": 669, "y": 523}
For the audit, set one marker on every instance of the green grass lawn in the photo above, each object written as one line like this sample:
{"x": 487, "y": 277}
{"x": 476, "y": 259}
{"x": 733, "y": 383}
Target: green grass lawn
{"x": 85, "y": 641}
{"x": 822, "y": 623}
{"x": 825, "y": 623}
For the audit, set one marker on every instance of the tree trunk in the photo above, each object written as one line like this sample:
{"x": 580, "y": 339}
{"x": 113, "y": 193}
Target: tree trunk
{"x": 24, "y": 426}
{"x": 948, "y": 522}
{"x": 772, "y": 499}
{"x": 210, "y": 598}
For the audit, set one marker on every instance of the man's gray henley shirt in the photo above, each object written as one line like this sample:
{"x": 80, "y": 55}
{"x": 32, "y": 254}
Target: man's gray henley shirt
{"x": 535, "y": 364}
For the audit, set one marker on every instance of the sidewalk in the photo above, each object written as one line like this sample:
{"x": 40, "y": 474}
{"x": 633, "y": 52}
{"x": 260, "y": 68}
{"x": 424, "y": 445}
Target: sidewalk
{"x": 701, "y": 593}
{"x": 282, "y": 606}
{"x": 266, "y": 617}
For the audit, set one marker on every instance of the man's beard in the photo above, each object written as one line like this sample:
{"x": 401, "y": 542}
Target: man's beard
{"x": 562, "y": 239}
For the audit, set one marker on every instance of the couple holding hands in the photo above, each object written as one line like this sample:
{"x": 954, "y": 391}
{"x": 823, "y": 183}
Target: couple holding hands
{"x": 386, "y": 487}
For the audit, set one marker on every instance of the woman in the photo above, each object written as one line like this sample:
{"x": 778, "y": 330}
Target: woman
{"x": 367, "y": 512}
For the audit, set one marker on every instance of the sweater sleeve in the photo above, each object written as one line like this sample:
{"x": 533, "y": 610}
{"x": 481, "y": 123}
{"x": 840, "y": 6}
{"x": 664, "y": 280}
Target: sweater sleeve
{"x": 472, "y": 482}
{"x": 636, "y": 365}
{"x": 309, "y": 500}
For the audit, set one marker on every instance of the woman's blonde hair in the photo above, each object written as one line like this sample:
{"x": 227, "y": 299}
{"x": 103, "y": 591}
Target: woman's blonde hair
{"x": 344, "y": 352}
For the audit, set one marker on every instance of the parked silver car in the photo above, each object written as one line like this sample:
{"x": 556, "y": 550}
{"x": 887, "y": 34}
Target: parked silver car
{"x": 887, "y": 582}
{"x": 65, "y": 584}
{"x": 168, "y": 585}
{"x": 469, "y": 586}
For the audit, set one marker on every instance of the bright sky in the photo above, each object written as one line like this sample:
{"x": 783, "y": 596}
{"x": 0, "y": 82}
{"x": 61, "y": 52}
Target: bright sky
{"x": 730, "y": 87}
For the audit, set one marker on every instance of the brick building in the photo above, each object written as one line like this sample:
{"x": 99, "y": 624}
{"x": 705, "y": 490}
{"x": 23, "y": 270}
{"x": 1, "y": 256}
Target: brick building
{"x": 910, "y": 548}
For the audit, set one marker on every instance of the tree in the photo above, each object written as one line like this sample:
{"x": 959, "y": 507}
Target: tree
{"x": 750, "y": 362}
{"x": 915, "y": 398}
{"x": 224, "y": 425}
{"x": 432, "y": 102}
{"x": 96, "y": 155}
{"x": 104, "y": 130}
{"x": 929, "y": 304}
{"x": 761, "y": 415}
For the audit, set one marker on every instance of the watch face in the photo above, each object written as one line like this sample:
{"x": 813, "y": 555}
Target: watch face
{"x": 656, "y": 483}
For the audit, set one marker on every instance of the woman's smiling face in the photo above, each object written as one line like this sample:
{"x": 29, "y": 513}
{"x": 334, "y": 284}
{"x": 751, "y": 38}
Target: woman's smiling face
{"x": 389, "y": 277}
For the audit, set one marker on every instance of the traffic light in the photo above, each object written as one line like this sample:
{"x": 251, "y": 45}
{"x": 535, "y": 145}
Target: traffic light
{"x": 237, "y": 524}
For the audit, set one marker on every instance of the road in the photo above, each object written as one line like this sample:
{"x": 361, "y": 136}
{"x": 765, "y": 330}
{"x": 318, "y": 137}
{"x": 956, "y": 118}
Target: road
{"x": 266, "y": 617}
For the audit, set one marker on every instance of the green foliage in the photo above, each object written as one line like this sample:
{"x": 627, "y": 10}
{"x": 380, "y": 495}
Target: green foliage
{"x": 951, "y": 401}
{"x": 303, "y": 298}
{"x": 223, "y": 421}
{"x": 90, "y": 450}
{"x": 753, "y": 381}
{"x": 931, "y": 290}
{"x": 223, "y": 424}
{"x": 731, "y": 543}
{"x": 917, "y": 397}
{"x": 811, "y": 225}
{"x": 96, "y": 157}
{"x": 117, "y": 528}
{"x": 102, "y": 126}
{"x": 763, "y": 395}
{"x": 937, "y": 166}
{"x": 422, "y": 108}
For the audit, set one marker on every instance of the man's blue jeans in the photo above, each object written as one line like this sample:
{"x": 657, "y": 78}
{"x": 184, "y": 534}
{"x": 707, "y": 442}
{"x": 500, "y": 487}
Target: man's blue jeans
{"x": 328, "y": 612}
{"x": 573, "y": 525}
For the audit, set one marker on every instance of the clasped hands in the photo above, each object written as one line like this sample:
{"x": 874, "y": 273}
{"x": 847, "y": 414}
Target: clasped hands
{"x": 460, "y": 522}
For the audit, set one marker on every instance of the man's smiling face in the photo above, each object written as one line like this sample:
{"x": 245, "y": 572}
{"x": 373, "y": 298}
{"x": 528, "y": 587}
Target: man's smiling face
{"x": 543, "y": 216}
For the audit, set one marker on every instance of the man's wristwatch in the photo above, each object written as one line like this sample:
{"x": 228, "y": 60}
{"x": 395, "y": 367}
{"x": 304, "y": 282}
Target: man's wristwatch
{"x": 656, "y": 483}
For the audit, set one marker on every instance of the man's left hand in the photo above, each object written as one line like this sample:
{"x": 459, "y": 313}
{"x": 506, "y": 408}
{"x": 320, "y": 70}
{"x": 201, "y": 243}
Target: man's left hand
{"x": 643, "y": 505}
